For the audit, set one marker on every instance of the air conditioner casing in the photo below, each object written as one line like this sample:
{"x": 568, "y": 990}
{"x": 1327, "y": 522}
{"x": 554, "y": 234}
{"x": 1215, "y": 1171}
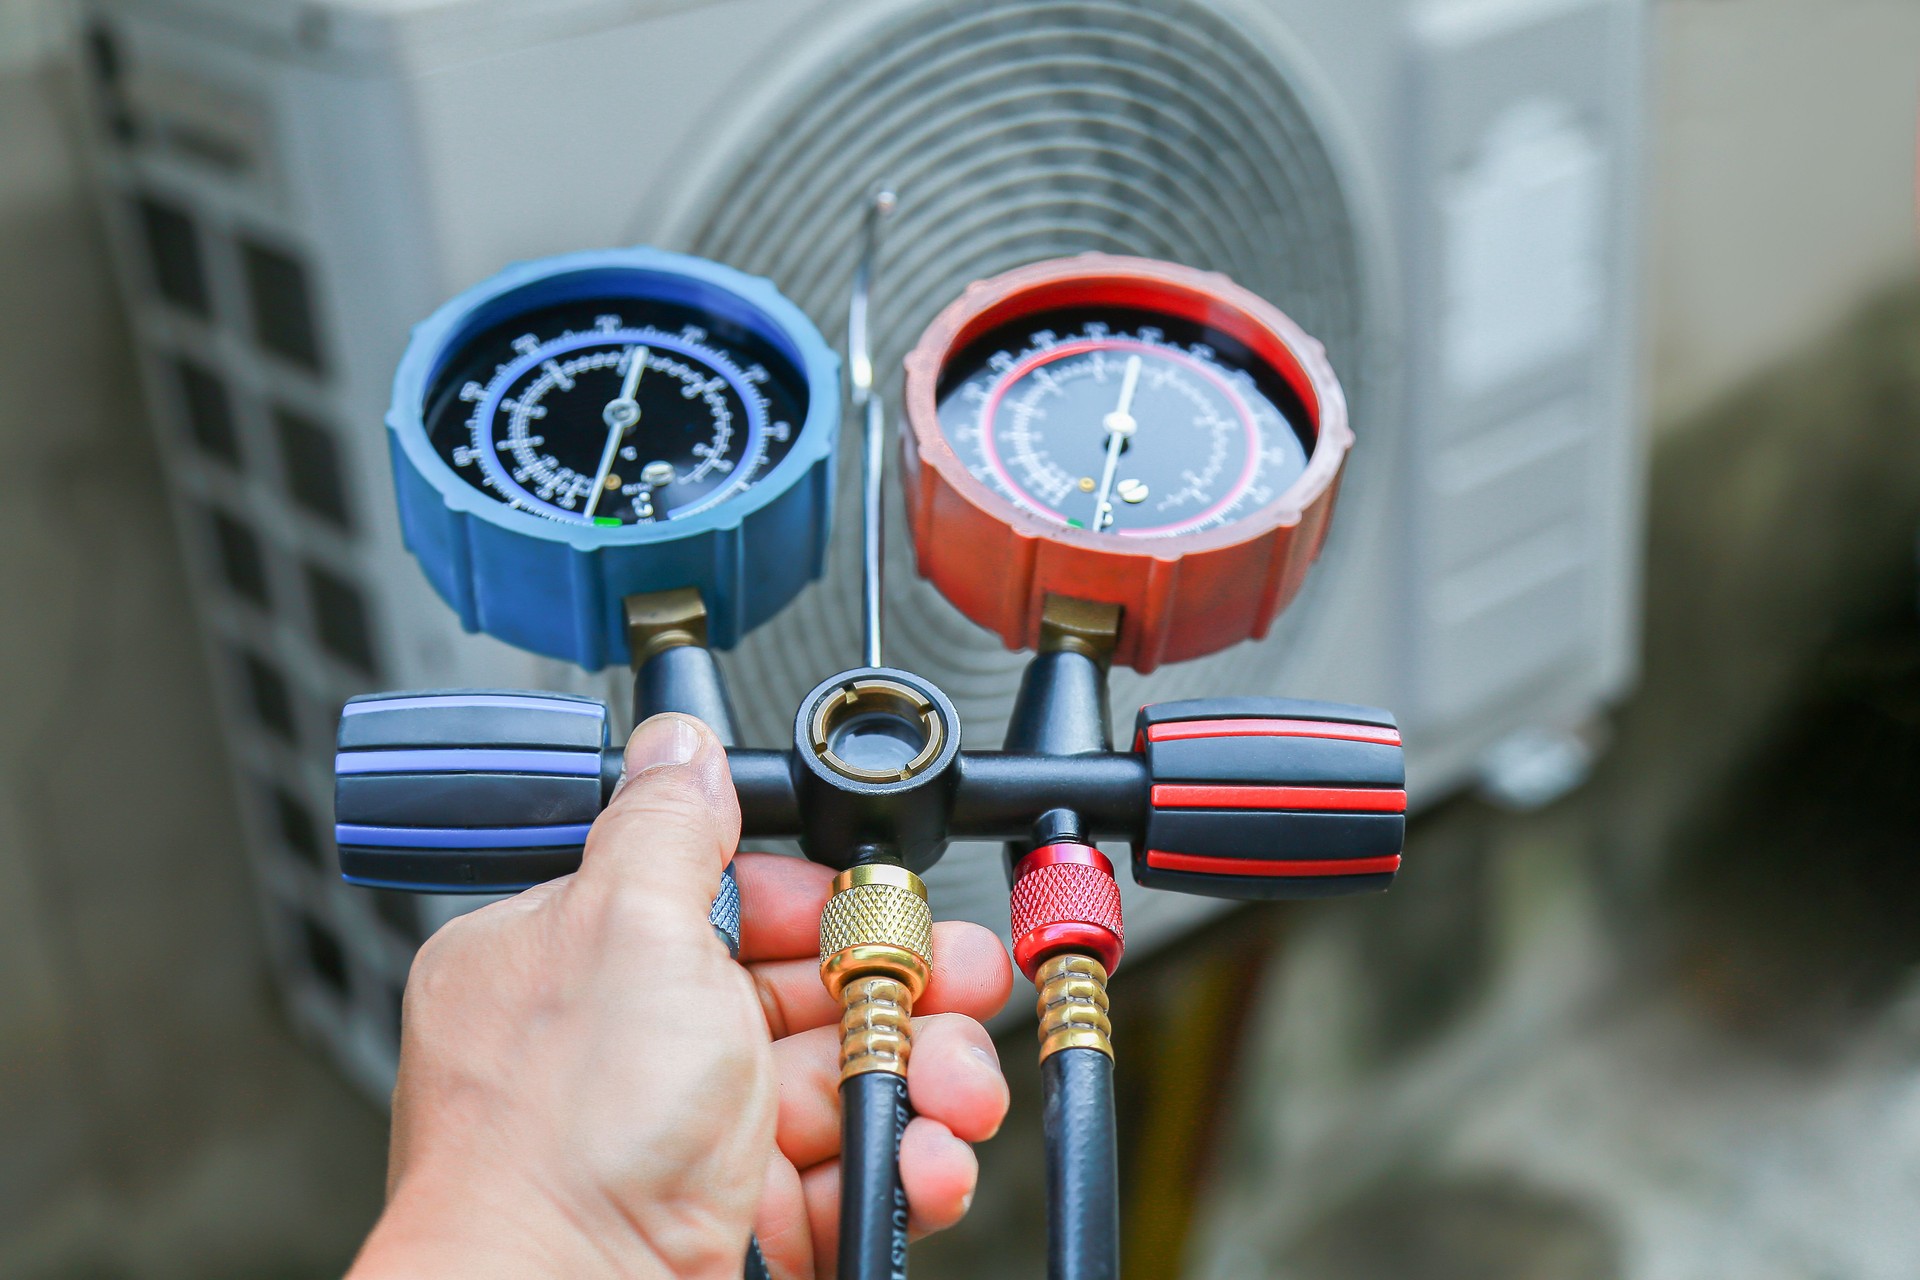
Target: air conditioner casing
{"x": 1443, "y": 191}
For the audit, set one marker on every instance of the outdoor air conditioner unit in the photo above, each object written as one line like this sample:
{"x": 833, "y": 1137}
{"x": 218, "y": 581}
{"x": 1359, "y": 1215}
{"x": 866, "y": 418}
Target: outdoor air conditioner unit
{"x": 1441, "y": 190}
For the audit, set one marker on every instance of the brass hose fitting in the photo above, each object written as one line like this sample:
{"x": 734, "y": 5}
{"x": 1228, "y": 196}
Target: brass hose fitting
{"x": 876, "y": 955}
{"x": 1073, "y": 1005}
{"x": 875, "y": 1026}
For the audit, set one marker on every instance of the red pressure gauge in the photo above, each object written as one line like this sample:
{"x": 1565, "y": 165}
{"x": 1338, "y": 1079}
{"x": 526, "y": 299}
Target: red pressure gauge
{"x": 1124, "y": 431}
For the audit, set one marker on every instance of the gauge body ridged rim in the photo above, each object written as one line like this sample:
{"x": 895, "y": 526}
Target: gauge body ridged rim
{"x": 1182, "y": 596}
{"x": 555, "y": 588}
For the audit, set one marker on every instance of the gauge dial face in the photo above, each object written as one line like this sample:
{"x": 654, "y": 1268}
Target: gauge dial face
{"x": 1123, "y": 422}
{"x": 615, "y": 411}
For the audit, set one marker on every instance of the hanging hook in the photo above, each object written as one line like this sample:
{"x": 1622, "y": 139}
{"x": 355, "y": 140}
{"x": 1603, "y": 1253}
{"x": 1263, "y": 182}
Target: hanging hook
{"x": 879, "y": 204}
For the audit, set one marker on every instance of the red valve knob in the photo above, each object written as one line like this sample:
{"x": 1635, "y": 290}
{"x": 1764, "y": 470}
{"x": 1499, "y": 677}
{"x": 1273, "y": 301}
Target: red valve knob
{"x": 1065, "y": 899}
{"x": 1271, "y": 798}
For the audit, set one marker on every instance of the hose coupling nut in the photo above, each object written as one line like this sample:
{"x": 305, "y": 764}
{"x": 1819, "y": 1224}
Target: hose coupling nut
{"x": 1065, "y": 899}
{"x": 1073, "y": 1005}
{"x": 877, "y": 923}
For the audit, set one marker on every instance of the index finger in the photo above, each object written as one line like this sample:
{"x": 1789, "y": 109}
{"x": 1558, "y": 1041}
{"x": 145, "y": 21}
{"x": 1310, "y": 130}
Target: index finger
{"x": 971, "y": 975}
{"x": 781, "y": 899}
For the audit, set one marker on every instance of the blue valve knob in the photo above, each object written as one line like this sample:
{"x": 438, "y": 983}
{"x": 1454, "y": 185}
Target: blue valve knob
{"x": 476, "y": 791}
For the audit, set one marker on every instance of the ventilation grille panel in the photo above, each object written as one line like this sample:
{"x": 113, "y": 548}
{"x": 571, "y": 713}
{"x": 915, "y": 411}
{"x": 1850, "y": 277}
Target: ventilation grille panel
{"x": 1014, "y": 132}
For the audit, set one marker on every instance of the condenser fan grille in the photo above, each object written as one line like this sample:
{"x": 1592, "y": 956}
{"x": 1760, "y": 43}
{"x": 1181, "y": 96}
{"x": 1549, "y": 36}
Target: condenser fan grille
{"x": 1013, "y": 132}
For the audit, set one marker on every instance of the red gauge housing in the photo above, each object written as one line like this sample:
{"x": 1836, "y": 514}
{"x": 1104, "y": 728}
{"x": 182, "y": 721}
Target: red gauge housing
{"x": 1182, "y": 596}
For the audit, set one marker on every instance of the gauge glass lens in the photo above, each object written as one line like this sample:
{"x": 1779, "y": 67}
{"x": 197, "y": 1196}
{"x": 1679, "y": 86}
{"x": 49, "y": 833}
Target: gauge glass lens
{"x": 615, "y": 411}
{"x": 1123, "y": 422}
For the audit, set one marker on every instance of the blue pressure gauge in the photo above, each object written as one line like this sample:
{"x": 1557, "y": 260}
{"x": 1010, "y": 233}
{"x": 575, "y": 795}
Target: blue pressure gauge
{"x": 586, "y": 427}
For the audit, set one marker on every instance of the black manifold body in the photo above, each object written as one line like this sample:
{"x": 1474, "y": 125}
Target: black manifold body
{"x": 490, "y": 791}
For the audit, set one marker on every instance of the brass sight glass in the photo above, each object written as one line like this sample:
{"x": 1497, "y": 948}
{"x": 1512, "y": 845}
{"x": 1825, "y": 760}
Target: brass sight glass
{"x": 876, "y": 729}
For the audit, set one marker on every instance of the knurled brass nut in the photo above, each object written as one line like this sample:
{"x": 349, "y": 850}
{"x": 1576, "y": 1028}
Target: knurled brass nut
{"x": 877, "y": 923}
{"x": 1075, "y": 1015}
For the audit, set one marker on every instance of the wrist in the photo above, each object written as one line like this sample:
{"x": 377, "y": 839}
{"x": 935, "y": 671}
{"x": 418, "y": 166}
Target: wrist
{"x": 439, "y": 1227}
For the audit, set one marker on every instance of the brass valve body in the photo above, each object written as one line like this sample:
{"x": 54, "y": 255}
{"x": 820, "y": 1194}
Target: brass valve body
{"x": 662, "y": 620}
{"x": 876, "y": 955}
{"x": 1073, "y": 1005}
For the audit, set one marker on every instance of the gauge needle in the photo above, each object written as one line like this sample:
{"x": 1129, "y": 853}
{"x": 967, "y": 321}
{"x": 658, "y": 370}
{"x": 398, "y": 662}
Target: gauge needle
{"x": 620, "y": 413}
{"x": 1119, "y": 424}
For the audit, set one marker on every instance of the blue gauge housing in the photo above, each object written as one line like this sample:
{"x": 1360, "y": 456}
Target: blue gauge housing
{"x": 556, "y": 588}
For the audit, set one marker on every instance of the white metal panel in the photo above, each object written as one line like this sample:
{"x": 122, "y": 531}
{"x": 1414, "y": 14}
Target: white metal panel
{"x": 1482, "y": 570}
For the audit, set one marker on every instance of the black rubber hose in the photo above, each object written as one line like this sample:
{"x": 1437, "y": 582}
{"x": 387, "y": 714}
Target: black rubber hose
{"x": 756, "y": 1264}
{"x": 873, "y": 1206}
{"x": 1083, "y": 1181}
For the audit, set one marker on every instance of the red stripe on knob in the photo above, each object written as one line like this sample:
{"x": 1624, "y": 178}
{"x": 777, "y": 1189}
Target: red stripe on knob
{"x": 1179, "y": 730}
{"x": 1198, "y": 864}
{"x": 1176, "y": 795}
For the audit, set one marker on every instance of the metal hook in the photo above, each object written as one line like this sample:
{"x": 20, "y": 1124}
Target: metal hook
{"x": 880, "y": 203}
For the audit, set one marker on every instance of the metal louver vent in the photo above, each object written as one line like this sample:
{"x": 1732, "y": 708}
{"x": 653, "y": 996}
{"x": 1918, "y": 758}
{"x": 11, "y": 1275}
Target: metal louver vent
{"x": 1017, "y": 130}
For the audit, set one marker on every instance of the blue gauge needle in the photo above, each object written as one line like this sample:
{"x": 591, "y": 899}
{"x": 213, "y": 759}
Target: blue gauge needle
{"x": 619, "y": 414}
{"x": 1119, "y": 425}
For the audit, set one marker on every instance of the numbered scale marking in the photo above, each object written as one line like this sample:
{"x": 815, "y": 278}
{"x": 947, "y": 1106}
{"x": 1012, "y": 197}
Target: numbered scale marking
{"x": 584, "y": 428}
{"x": 578, "y": 414}
{"x": 1122, "y": 422}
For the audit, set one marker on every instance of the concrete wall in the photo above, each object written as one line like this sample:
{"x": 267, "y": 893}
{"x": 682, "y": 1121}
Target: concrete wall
{"x": 1782, "y": 185}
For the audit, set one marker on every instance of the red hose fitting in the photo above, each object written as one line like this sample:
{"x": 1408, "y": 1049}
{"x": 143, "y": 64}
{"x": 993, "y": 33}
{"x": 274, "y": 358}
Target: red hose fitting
{"x": 1064, "y": 899}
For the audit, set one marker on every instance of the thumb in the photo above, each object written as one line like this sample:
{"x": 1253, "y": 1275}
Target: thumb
{"x": 673, "y": 821}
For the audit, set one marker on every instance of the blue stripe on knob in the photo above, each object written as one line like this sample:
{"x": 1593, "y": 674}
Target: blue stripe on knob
{"x": 417, "y": 886}
{"x": 469, "y": 760}
{"x": 502, "y": 701}
{"x": 346, "y": 833}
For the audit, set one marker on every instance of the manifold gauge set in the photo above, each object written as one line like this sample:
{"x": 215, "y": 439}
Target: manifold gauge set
{"x": 627, "y": 456}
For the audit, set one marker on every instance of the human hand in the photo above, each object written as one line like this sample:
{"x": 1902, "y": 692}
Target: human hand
{"x": 590, "y": 1086}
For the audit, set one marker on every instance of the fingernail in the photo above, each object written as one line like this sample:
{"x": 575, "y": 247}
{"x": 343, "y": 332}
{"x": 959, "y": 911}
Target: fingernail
{"x": 966, "y": 1203}
{"x": 987, "y": 1057}
{"x": 661, "y": 741}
